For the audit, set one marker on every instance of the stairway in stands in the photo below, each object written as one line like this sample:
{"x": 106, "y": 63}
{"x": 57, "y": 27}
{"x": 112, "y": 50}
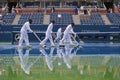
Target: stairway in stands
{"x": 76, "y": 19}
{"x": 105, "y": 19}
{"x": 15, "y": 21}
{"x": 46, "y": 19}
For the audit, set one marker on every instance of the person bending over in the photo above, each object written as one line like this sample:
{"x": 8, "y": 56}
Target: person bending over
{"x": 67, "y": 34}
{"x": 24, "y": 34}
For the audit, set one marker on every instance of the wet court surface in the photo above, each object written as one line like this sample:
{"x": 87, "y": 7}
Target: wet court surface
{"x": 84, "y": 49}
{"x": 90, "y": 61}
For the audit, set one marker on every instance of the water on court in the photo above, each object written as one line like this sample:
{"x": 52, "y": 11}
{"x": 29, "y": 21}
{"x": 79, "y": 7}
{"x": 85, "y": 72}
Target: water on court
{"x": 89, "y": 61}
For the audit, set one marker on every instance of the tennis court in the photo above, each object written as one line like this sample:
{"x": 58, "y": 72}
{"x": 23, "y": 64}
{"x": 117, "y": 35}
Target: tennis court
{"x": 90, "y": 61}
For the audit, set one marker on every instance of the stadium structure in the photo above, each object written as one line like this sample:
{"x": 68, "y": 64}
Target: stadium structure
{"x": 96, "y": 20}
{"x": 100, "y": 17}
{"x": 97, "y": 24}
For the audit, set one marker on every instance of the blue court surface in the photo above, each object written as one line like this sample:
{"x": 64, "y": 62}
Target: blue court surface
{"x": 83, "y": 49}
{"x": 89, "y": 61}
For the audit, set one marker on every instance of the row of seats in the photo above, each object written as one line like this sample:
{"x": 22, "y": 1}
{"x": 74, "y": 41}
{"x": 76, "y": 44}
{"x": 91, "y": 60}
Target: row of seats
{"x": 61, "y": 18}
{"x": 61, "y": 7}
{"x": 95, "y": 19}
{"x": 114, "y": 18}
{"x": 36, "y": 17}
{"x": 8, "y": 18}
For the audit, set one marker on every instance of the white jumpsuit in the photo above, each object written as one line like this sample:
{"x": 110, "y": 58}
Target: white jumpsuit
{"x": 48, "y": 35}
{"x": 59, "y": 33}
{"x": 24, "y": 34}
{"x": 67, "y": 33}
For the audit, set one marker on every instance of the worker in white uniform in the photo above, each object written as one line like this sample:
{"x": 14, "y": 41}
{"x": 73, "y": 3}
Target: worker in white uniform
{"x": 67, "y": 34}
{"x": 48, "y": 35}
{"x": 24, "y": 34}
{"x": 59, "y": 34}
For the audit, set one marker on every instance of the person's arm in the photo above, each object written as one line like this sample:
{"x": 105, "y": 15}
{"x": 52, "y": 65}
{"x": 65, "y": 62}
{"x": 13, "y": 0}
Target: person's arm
{"x": 50, "y": 27}
{"x": 28, "y": 28}
{"x": 73, "y": 32}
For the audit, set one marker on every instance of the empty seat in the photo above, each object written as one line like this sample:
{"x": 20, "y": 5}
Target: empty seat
{"x": 114, "y": 18}
{"x": 95, "y": 19}
{"x": 65, "y": 18}
{"x": 36, "y": 17}
{"x": 8, "y": 18}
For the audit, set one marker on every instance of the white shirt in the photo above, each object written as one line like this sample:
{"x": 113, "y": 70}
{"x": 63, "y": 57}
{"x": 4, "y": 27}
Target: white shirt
{"x": 26, "y": 27}
{"x": 69, "y": 29}
{"x": 49, "y": 29}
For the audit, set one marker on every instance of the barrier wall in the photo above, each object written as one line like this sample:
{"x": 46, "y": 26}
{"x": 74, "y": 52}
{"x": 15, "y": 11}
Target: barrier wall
{"x": 77, "y": 28}
{"x": 88, "y": 33}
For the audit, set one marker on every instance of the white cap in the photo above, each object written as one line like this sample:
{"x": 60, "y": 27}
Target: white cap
{"x": 59, "y": 16}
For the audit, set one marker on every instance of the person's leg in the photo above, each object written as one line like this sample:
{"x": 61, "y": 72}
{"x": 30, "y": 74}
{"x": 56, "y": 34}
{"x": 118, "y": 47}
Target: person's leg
{"x": 26, "y": 39}
{"x": 70, "y": 40}
{"x": 21, "y": 39}
{"x": 63, "y": 39}
{"x": 51, "y": 40}
{"x": 44, "y": 40}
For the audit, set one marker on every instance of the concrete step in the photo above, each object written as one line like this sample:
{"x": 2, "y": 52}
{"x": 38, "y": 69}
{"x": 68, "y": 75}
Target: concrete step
{"x": 46, "y": 19}
{"x": 106, "y": 20}
{"x": 15, "y": 21}
{"x": 76, "y": 19}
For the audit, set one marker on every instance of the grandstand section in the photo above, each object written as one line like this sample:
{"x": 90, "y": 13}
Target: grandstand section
{"x": 36, "y": 17}
{"x": 94, "y": 19}
{"x": 8, "y": 18}
{"x": 63, "y": 7}
{"x": 61, "y": 18}
{"x": 40, "y": 18}
{"x": 114, "y": 18}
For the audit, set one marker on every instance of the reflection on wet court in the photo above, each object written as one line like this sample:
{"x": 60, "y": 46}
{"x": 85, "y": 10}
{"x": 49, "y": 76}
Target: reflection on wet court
{"x": 89, "y": 61}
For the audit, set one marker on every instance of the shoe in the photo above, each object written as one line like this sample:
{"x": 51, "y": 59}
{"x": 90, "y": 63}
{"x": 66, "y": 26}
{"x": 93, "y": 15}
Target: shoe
{"x": 72, "y": 45}
{"x": 61, "y": 45}
{"x": 55, "y": 40}
{"x": 42, "y": 45}
{"x": 52, "y": 45}
{"x": 19, "y": 47}
{"x": 73, "y": 42}
{"x": 29, "y": 46}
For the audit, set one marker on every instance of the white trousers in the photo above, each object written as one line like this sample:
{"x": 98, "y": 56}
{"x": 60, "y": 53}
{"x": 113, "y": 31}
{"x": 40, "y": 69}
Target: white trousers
{"x": 66, "y": 38}
{"x": 47, "y": 37}
{"x": 24, "y": 37}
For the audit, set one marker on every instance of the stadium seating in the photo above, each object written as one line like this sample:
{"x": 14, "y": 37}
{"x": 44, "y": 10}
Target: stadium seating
{"x": 36, "y": 17}
{"x": 8, "y": 18}
{"x": 66, "y": 18}
{"x": 114, "y": 18}
{"x": 95, "y": 19}
{"x": 61, "y": 7}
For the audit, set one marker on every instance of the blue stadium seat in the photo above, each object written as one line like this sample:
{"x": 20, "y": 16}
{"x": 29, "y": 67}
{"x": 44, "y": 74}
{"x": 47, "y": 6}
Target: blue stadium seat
{"x": 95, "y": 19}
{"x": 114, "y": 18}
{"x": 66, "y": 18}
{"x": 36, "y": 17}
{"x": 8, "y": 18}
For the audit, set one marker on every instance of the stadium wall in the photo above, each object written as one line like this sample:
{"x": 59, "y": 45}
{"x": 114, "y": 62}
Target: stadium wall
{"x": 78, "y": 28}
{"x": 8, "y": 33}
